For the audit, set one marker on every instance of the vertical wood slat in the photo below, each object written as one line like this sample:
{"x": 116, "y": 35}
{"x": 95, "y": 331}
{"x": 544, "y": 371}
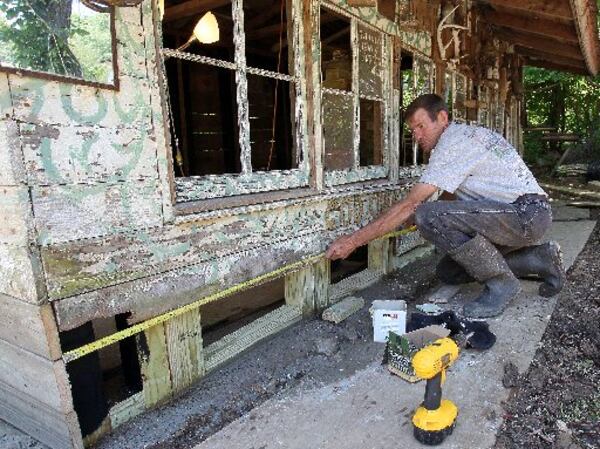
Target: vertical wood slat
{"x": 379, "y": 255}
{"x": 154, "y": 365}
{"x": 184, "y": 347}
{"x": 322, "y": 276}
{"x": 300, "y": 289}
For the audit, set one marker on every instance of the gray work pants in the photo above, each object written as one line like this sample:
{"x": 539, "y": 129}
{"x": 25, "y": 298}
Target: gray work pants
{"x": 509, "y": 226}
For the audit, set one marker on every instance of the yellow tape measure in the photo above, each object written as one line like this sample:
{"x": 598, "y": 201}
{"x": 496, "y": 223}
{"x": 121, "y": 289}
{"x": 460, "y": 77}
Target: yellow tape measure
{"x": 84, "y": 350}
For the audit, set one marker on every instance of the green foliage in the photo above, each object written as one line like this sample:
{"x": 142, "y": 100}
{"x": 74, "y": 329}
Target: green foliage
{"x": 570, "y": 103}
{"x": 46, "y": 36}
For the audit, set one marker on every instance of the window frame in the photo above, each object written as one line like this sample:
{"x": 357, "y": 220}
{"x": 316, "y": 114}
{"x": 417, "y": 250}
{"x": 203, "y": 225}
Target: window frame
{"x": 248, "y": 183}
{"x": 358, "y": 173}
{"x": 73, "y": 80}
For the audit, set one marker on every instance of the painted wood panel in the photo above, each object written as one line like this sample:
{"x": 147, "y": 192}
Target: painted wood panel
{"x": 77, "y": 267}
{"x": 44, "y": 423}
{"x": 15, "y": 216}
{"x": 34, "y": 376}
{"x": 56, "y": 154}
{"x": 30, "y": 327}
{"x": 163, "y": 292}
{"x": 71, "y": 212}
{"x": 19, "y": 274}
{"x": 6, "y": 109}
{"x": 12, "y": 171}
{"x": 50, "y": 102}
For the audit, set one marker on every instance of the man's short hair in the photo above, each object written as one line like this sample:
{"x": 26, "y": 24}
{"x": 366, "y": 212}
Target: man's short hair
{"x": 432, "y": 104}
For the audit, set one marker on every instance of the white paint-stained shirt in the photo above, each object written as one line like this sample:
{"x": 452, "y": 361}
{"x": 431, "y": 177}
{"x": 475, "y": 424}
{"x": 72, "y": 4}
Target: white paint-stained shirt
{"x": 476, "y": 163}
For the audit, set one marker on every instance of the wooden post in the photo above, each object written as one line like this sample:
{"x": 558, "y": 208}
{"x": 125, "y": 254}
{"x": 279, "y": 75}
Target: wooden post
{"x": 308, "y": 288}
{"x": 379, "y": 255}
{"x": 322, "y": 280}
{"x": 300, "y": 289}
{"x": 184, "y": 347}
{"x": 154, "y": 365}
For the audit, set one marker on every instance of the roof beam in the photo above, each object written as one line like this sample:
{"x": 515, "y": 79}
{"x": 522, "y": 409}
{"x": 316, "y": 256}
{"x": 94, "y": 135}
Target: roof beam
{"x": 551, "y": 57}
{"x": 539, "y": 43}
{"x": 587, "y": 29}
{"x": 191, "y": 8}
{"x": 553, "y": 66}
{"x": 539, "y": 26}
{"x": 552, "y": 10}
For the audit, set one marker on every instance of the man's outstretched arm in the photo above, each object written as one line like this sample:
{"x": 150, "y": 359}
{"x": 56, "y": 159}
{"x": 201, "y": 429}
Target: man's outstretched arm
{"x": 390, "y": 220}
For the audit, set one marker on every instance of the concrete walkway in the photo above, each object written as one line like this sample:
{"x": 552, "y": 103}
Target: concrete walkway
{"x": 372, "y": 409}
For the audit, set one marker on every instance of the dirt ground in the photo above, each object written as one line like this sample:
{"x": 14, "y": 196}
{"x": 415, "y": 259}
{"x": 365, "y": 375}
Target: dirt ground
{"x": 556, "y": 404}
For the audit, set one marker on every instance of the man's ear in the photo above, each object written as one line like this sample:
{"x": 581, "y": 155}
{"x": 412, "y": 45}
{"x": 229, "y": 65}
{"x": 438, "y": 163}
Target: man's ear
{"x": 442, "y": 116}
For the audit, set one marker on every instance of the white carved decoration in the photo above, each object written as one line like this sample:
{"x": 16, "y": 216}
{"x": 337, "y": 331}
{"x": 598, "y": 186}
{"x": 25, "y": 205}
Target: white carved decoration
{"x": 454, "y": 40}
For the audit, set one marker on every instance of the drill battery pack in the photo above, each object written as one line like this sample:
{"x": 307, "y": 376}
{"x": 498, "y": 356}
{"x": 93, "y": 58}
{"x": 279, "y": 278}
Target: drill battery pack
{"x": 400, "y": 349}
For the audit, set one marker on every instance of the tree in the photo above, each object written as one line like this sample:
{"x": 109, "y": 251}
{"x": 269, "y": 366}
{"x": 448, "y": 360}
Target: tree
{"x": 39, "y": 32}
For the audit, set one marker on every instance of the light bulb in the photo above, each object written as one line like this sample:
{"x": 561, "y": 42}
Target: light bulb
{"x": 207, "y": 29}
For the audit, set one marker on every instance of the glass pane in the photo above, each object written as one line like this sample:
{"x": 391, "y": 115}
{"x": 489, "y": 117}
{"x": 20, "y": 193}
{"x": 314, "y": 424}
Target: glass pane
{"x": 265, "y": 28}
{"x": 424, "y": 77}
{"x": 460, "y": 96}
{"x": 271, "y": 130}
{"x": 60, "y": 37}
{"x": 338, "y": 122}
{"x": 371, "y": 132}
{"x": 370, "y": 66}
{"x": 336, "y": 51}
{"x": 181, "y": 18}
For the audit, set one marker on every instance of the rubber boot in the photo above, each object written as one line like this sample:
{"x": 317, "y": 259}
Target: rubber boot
{"x": 481, "y": 259}
{"x": 543, "y": 261}
{"x": 540, "y": 261}
{"x": 450, "y": 272}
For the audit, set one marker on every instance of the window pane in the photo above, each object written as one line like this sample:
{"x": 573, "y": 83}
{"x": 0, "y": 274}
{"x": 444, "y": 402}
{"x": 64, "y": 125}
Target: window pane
{"x": 61, "y": 37}
{"x": 205, "y": 118}
{"x": 336, "y": 52}
{"x": 460, "y": 97}
{"x": 371, "y": 132}
{"x": 338, "y": 122}
{"x": 370, "y": 67}
{"x": 270, "y": 112}
{"x": 180, "y": 20}
{"x": 265, "y": 28}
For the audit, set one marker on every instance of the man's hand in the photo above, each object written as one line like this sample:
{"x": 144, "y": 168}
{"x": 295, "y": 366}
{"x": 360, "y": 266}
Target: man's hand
{"x": 341, "y": 248}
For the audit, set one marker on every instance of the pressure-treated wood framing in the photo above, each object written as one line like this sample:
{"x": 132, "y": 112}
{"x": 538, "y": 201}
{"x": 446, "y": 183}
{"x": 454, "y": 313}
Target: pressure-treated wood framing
{"x": 154, "y": 365}
{"x": 184, "y": 345}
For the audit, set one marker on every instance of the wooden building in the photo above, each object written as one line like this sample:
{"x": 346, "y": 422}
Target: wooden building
{"x": 168, "y": 194}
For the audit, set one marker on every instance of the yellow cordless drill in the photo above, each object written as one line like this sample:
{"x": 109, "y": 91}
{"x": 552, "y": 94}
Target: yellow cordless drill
{"x": 435, "y": 418}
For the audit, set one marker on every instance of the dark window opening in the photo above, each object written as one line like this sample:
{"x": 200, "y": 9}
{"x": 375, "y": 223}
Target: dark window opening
{"x": 265, "y": 29}
{"x": 407, "y": 95}
{"x": 207, "y": 115}
{"x": 356, "y": 262}
{"x": 227, "y": 315}
{"x": 371, "y": 132}
{"x": 103, "y": 378}
{"x": 336, "y": 51}
{"x": 269, "y": 107}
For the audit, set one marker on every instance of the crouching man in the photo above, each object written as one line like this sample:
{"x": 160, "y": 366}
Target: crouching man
{"x": 491, "y": 233}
